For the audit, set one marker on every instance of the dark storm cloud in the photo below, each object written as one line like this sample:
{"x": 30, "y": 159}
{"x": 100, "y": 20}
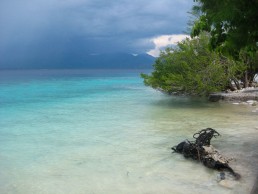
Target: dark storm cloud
{"x": 30, "y": 27}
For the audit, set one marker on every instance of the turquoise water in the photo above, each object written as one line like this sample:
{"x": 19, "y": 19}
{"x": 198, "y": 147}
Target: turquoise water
{"x": 87, "y": 131}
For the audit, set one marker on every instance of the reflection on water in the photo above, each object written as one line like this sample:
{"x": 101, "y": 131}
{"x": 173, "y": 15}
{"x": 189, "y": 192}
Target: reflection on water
{"x": 113, "y": 135}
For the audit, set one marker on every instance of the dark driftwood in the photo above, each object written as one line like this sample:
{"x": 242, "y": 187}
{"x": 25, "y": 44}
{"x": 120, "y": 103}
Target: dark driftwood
{"x": 201, "y": 150}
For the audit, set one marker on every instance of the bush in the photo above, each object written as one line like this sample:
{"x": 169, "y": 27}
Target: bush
{"x": 193, "y": 69}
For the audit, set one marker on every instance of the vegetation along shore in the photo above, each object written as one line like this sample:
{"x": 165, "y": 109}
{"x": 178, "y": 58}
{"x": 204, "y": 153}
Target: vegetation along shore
{"x": 219, "y": 61}
{"x": 220, "y": 56}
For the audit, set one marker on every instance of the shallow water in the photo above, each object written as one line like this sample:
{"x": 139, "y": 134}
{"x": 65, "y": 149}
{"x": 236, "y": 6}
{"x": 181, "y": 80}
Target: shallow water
{"x": 104, "y": 132}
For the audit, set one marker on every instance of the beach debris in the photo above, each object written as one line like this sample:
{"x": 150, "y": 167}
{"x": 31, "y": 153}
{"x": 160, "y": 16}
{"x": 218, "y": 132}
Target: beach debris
{"x": 201, "y": 150}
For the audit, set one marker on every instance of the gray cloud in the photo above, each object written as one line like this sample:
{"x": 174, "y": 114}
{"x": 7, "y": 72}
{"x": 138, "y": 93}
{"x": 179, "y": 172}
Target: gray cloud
{"x": 30, "y": 27}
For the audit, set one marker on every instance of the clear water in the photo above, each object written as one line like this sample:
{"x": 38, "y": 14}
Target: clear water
{"x": 104, "y": 132}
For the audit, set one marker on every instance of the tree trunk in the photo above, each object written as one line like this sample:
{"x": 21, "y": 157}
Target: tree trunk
{"x": 246, "y": 82}
{"x": 237, "y": 84}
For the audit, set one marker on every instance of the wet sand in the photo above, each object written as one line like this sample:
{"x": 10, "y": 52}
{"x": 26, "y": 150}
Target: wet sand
{"x": 255, "y": 188}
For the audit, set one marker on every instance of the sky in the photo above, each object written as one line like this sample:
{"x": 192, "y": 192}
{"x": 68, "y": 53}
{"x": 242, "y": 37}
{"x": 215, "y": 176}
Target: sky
{"x": 30, "y": 27}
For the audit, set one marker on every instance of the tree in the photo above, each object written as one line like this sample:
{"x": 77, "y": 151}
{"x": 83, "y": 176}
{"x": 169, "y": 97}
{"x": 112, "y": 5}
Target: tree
{"x": 193, "y": 69}
{"x": 234, "y": 30}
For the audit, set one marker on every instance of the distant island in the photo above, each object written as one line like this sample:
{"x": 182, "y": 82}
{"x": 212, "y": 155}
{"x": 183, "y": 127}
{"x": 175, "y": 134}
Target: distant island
{"x": 75, "y": 60}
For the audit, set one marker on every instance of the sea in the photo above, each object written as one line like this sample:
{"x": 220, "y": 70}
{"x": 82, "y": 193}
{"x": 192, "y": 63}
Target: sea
{"x": 105, "y": 132}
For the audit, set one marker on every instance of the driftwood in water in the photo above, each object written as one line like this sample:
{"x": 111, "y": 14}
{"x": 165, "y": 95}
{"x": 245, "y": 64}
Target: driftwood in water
{"x": 201, "y": 150}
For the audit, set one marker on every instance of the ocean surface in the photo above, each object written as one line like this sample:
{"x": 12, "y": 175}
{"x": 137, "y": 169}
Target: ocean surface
{"x": 104, "y": 132}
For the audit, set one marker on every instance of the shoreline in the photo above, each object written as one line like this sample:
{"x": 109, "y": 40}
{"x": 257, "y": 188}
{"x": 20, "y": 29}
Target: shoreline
{"x": 244, "y": 95}
{"x": 247, "y": 96}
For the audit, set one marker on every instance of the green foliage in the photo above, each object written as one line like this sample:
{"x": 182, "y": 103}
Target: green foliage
{"x": 234, "y": 30}
{"x": 200, "y": 25}
{"x": 210, "y": 62}
{"x": 192, "y": 69}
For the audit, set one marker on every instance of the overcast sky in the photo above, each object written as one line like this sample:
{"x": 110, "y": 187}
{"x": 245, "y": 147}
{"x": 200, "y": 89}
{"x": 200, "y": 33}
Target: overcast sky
{"x": 91, "y": 26}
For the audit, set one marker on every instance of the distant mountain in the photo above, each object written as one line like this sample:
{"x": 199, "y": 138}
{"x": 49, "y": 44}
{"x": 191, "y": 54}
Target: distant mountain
{"x": 78, "y": 60}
